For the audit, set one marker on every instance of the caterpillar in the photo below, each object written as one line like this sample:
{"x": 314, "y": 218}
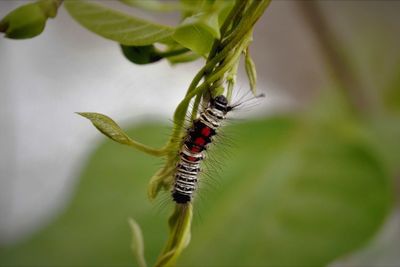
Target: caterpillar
{"x": 198, "y": 137}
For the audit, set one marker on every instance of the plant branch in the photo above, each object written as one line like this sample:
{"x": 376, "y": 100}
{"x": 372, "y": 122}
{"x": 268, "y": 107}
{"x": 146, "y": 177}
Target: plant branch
{"x": 249, "y": 18}
{"x": 331, "y": 49}
{"x": 220, "y": 67}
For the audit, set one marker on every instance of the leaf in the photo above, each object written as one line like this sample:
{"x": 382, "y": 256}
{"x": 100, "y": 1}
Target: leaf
{"x": 196, "y": 35}
{"x": 141, "y": 54}
{"x": 110, "y": 128}
{"x": 29, "y": 20}
{"x": 154, "y": 5}
{"x": 250, "y": 71}
{"x": 291, "y": 193}
{"x": 190, "y": 7}
{"x": 198, "y": 32}
{"x": 298, "y": 194}
{"x": 174, "y": 53}
{"x": 50, "y": 7}
{"x": 137, "y": 243}
{"x": 385, "y": 134}
{"x": 162, "y": 179}
{"x": 117, "y": 26}
{"x": 107, "y": 126}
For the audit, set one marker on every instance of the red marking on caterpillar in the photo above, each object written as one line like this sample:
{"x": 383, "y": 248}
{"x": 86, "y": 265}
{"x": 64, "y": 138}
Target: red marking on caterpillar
{"x": 195, "y": 149}
{"x": 191, "y": 158}
{"x": 206, "y": 131}
{"x": 200, "y": 141}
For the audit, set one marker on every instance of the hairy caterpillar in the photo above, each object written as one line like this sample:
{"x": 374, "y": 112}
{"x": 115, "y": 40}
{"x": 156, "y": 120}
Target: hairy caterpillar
{"x": 192, "y": 152}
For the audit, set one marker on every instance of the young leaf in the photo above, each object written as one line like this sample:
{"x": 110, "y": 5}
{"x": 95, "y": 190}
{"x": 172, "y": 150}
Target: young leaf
{"x": 198, "y": 31}
{"x": 110, "y": 128}
{"x": 154, "y": 5}
{"x": 117, "y": 26}
{"x": 137, "y": 243}
{"x": 191, "y": 7}
{"x": 162, "y": 179}
{"x": 29, "y": 20}
{"x": 107, "y": 126}
{"x": 251, "y": 71}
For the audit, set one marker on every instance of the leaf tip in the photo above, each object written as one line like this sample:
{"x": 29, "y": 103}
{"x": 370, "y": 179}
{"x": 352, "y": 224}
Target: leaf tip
{"x": 83, "y": 114}
{"x": 137, "y": 242}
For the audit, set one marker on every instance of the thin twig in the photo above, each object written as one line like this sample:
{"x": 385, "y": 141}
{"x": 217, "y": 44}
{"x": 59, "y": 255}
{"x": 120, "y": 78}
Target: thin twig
{"x": 335, "y": 60}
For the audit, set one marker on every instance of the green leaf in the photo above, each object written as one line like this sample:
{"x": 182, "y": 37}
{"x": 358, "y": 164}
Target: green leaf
{"x": 196, "y": 35}
{"x": 107, "y": 126}
{"x": 29, "y": 20}
{"x": 154, "y": 5}
{"x": 198, "y": 32}
{"x": 137, "y": 243}
{"x": 291, "y": 193}
{"x": 298, "y": 194}
{"x": 190, "y": 7}
{"x": 141, "y": 54}
{"x": 250, "y": 71}
{"x": 110, "y": 128}
{"x": 162, "y": 179}
{"x": 385, "y": 134}
{"x": 117, "y": 26}
{"x": 148, "y": 54}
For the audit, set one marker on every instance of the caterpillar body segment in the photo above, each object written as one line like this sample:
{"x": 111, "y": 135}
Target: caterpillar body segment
{"x": 192, "y": 152}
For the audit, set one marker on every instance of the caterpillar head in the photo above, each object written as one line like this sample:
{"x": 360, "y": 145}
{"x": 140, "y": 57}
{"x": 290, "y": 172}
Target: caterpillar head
{"x": 221, "y": 103}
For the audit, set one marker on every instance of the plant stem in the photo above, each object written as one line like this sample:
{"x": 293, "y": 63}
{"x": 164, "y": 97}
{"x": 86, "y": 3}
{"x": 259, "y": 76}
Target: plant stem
{"x": 212, "y": 60}
{"x": 220, "y": 67}
{"x": 236, "y": 10}
{"x": 255, "y": 11}
{"x": 146, "y": 149}
{"x": 335, "y": 60}
{"x": 195, "y": 107}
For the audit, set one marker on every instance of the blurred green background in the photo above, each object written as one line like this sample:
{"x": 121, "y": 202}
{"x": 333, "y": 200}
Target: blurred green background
{"x": 300, "y": 187}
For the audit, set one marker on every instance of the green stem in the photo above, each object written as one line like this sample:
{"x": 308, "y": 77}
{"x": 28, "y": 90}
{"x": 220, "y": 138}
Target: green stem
{"x": 255, "y": 10}
{"x": 179, "y": 238}
{"x": 195, "y": 107}
{"x": 220, "y": 70}
{"x": 237, "y": 9}
{"x": 146, "y": 149}
{"x": 231, "y": 80}
{"x": 181, "y": 110}
{"x": 223, "y": 59}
